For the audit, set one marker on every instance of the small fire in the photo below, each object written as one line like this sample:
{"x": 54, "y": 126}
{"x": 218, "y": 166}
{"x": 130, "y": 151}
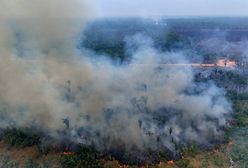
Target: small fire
{"x": 226, "y": 63}
{"x": 68, "y": 153}
{"x": 170, "y": 162}
{"x": 220, "y": 63}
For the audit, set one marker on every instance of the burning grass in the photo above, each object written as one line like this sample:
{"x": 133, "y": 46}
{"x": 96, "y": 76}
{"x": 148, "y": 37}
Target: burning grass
{"x": 75, "y": 155}
{"x": 89, "y": 157}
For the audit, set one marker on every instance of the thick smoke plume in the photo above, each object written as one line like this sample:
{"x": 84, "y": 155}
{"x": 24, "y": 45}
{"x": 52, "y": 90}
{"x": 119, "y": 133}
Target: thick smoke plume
{"x": 44, "y": 81}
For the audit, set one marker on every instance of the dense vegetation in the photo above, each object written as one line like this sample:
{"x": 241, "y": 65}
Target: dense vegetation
{"x": 18, "y": 137}
{"x": 84, "y": 158}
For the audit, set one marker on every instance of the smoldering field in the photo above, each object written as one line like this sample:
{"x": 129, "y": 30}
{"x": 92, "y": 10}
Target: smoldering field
{"x": 48, "y": 85}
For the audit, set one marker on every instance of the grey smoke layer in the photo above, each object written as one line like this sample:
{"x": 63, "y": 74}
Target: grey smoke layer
{"x": 43, "y": 80}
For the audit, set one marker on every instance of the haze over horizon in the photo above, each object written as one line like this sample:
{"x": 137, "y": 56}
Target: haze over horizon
{"x": 169, "y": 8}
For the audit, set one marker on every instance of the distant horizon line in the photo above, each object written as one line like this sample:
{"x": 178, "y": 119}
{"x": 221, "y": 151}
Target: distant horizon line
{"x": 173, "y": 17}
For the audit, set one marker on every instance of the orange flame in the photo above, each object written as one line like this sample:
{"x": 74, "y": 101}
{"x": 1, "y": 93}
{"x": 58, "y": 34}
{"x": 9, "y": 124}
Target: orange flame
{"x": 226, "y": 63}
{"x": 68, "y": 153}
{"x": 170, "y": 162}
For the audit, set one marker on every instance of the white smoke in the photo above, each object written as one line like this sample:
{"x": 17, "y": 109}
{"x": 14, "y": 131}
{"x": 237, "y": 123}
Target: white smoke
{"x": 105, "y": 105}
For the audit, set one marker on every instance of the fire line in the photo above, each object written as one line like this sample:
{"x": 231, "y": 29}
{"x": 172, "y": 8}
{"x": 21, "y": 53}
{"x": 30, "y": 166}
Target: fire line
{"x": 220, "y": 63}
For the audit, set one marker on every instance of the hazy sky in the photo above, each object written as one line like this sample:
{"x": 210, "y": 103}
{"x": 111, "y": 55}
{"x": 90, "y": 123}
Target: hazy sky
{"x": 124, "y": 8}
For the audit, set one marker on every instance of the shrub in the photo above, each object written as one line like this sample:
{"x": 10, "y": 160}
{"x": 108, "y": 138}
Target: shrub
{"x": 33, "y": 164}
{"x": 183, "y": 163}
{"x": 191, "y": 150}
{"x": 217, "y": 161}
{"x": 85, "y": 158}
{"x": 205, "y": 163}
{"x": 21, "y": 137}
{"x": 45, "y": 149}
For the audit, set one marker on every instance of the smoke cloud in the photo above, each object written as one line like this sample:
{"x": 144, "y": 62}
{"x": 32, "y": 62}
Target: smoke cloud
{"x": 45, "y": 81}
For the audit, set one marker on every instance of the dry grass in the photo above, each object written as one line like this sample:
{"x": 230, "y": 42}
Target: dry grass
{"x": 20, "y": 156}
